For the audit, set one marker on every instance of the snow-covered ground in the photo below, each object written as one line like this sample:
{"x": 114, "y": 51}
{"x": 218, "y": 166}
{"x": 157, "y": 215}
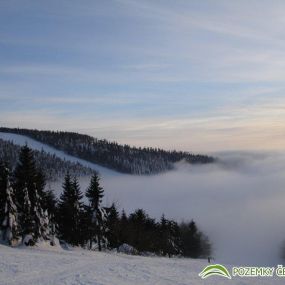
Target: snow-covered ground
{"x": 32, "y": 266}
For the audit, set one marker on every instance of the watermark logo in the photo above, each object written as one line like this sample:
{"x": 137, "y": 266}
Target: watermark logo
{"x": 242, "y": 271}
{"x": 215, "y": 269}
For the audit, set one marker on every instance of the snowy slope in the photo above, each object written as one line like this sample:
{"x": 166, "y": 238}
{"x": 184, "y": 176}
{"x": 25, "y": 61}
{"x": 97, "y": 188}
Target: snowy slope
{"x": 57, "y": 267}
{"x": 22, "y": 140}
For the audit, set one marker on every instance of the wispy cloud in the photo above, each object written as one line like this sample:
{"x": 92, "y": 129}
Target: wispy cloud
{"x": 188, "y": 74}
{"x": 240, "y": 128}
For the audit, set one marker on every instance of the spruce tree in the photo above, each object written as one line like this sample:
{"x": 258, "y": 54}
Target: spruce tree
{"x": 27, "y": 221}
{"x": 79, "y": 210}
{"x": 25, "y": 175}
{"x": 49, "y": 204}
{"x": 191, "y": 240}
{"x": 97, "y": 216}
{"x": 69, "y": 211}
{"x": 40, "y": 183}
{"x": 174, "y": 247}
{"x": 4, "y": 177}
{"x": 169, "y": 235}
{"x": 163, "y": 236}
{"x": 113, "y": 223}
{"x": 41, "y": 219}
{"x": 27, "y": 181}
{"x": 9, "y": 223}
{"x": 137, "y": 229}
{"x": 124, "y": 236}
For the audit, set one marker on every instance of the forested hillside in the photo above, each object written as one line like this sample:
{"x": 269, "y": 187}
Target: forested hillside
{"x": 30, "y": 214}
{"x": 52, "y": 166}
{"x": 123, "y": 158}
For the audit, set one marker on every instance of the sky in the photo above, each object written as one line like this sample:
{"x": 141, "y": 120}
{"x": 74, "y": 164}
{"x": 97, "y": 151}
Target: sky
{"x": 192, "y": 75}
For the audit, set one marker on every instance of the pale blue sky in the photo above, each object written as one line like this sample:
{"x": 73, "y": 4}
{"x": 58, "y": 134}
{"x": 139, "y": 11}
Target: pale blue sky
{"x": 193, "y": 75}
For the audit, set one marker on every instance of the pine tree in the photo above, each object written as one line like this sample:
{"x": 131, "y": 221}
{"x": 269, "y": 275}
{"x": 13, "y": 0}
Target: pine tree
{"x": 124, "y": 228}
{"x": 98, "y": 216}
{"x": 27, "y": 221}
{"x": 169, "y": 235}
{"x": 49, "y": 205}
{"x": 79, "y": 210}
{"x": 4, "y": 176}
{"x": 69, "y": 211}
{"x": 137, "y": 229}
{"x": 49, "y": 202}
{"x": 40, "y": 183}
{"x": 27, "y": 180}
{"x": 163, "y": 236}
{"x": 25, "y": 175}
{"x": 191, "y": 240}
{"x": 9, "y": 224}
{"x": 41, "y": 219}
{"x": 174, "y": 247}
{"x": 113, "y": 223}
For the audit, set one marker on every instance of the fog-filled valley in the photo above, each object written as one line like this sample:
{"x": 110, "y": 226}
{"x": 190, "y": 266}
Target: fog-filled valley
{"x": 237, "y": 201}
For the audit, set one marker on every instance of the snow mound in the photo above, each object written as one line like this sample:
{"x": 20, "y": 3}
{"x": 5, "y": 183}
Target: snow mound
{"x": 127, "y": 249}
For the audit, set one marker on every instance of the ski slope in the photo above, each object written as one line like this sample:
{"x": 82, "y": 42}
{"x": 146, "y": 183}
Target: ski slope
{"x": 33, "y": 144}
{"x": 26, "y": 266}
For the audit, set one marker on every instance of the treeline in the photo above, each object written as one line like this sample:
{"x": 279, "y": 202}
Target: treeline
{"x": 51, "y": 165}
{"x": 30, "y": 214}
{"x": 122, "y": 158}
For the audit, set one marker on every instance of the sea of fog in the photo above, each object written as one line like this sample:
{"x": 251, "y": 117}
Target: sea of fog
{"x": 239, "y": 202}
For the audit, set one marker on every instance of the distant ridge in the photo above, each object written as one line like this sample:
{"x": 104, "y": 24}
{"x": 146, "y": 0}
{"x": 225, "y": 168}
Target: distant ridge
{"x": 122, "y": 158}
{"x": 51, "y": 165}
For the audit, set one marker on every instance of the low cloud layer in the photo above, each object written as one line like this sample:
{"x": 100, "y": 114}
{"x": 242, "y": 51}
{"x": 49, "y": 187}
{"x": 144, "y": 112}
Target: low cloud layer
{"x": 238, "y": 202}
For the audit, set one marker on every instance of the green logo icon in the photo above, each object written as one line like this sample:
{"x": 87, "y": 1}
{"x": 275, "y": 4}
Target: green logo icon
{"x": 215, "y": 269}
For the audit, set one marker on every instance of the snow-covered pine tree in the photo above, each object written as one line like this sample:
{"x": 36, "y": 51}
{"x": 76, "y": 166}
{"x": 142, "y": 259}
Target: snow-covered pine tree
{"x": 4, "y": 176}
{"x": 27, "y": 222}
{"x": 27, "y": 180}
{"x": 78, "y": 213}
{"x": 70, "y": 212}
{"x": 41, "y": 231}
{"x": 169, "y": 235}
{"x": 49, "y": 206}
{"x": 25, "y": 175}
{"x": 40, "y": 183}
{"x": 49, "y": 202}
{"x": 9, "y": 225}
{"x": 98, "y": 216}
{"x": 174, "y": 247}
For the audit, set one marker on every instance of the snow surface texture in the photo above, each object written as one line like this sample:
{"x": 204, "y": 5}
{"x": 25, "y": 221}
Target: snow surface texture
{"x": 26, "y": 266}
{"x": 238, "y": 202}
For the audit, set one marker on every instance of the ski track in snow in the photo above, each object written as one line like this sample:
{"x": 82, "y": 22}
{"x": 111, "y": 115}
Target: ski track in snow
{"x": 26, "y": 266}
{"x": 33, "y": 144}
